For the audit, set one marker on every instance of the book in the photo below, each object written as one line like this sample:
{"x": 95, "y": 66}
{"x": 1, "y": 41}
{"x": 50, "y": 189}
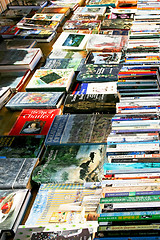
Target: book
{"x": 18, "y": 146}
{"x": 99, "y": 73}
{"x": 29, "y": 23}
{"x": 96, "y": 88}
{"x": 18, "y": 43}
{"x": 57, "y": 211}
{"x": 106, "y": 3}
{"x": 13, "y": 204}
{"x": 103, "y": 58}
{"x": 79, "y": 129}
{"x": 5, "y": 95}
{"x": 20, "y": 175}
{"x": 70, "y": 164}
{"x": 26, "y": 58}
{"x": 41, "y": 35}
{"x": 67, "y": 54}
{"x": 61, "y": 10}
{"x": 31, "y": 100}
{"x": 27, "y": 4}
{"x": 100, "y": 42}
{"x": 79, "y": 16}
{"x": 91, "y": 10}
{"x": 13, "y": 79}
{"x": 90, "y": 103}
{"x": 34, "y": 122}
{"x": 57, "y": 80}
{"x": 123, "y": 24}
{"x": 71, "y": 41}
{"x": 62, "y": 63}
{"x": 49, "y": 16}
{"x": 10, "y": 32}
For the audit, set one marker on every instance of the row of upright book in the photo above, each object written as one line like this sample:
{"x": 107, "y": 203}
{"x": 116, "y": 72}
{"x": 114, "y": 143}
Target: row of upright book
{"x": 88, "y": 122}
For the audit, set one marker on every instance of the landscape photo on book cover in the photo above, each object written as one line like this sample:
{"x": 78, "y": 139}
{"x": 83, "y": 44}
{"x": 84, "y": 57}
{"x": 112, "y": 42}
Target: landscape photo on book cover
{"x": 73, "y": 40}
{"x": 70, "y": 164}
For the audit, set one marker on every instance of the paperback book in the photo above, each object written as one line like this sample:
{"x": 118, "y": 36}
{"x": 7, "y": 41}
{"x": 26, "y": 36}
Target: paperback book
{"x": 79, "y": 129}
{"x": 57, "y": 80}
{"x": 70, "y": 164}
{"x": 38, "y": 100}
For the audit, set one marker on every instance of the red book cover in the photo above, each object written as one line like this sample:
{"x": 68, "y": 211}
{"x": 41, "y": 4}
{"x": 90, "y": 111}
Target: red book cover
{"x": 34, "y": 121}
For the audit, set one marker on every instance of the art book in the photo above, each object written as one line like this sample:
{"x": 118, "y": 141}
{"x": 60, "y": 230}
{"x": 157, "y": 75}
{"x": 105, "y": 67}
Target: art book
{"x": 40, "y": 100}
{"x": 34, "y": 122}
{"x": 71, "y": 164}
{"x": 50, "y": 80}
{"x": 71, "y": 41}
{"x": 79, "y": 129}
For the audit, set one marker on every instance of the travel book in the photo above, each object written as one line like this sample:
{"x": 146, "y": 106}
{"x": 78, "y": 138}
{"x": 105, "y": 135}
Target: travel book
{"x": 34, "y": 122}
{"x": 35, "y": 100}
{"x": 70, "y": 164}
{"x": 13, "y": 204}
{"x": 90, "y": 103}
{"x": 18, "y": 146}
{"x": 71, "y": 41}
{"x": 26, "y": 58}
{"x": 41, "y": 35}
{"x": 13, "y": 79}
{"x": 57, "y": 80}
{"x": 79, "y": 129}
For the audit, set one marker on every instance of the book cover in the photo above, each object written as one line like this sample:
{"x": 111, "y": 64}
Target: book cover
{"x": 71, "y": 41}
{"x": 63, "y": 63}
{"x": 10, "y": 32}
{"x": 100, "y": 42}
{"x": 21, "y": 171}
{"x": 91, "y": 10}
{"x": 50, "y": 79}
{"x": 70, "y": 164}
{"x": 103, "y": 58}
{"x": 79, "y": 129}
{"x": 18, "y": 146}
{"x": 13, "y": 79}
{"x": 62, "y": 53}
{"x": 99, "y": 73}
{"x": 34, "y": 122}
{"x": 123, "y": 24}
{"x": 35, "y": 100}
{"x": 96, "y": 88}
{"x": 19, "y": 43}
{"x": 20, "y": 58}
{"x": 45, "y": 205}
{"x": 41, "y": 35}
{"x": 90, "y": 103}
{"x": 49, "y": 16}
{"x": 33, "y": 23}
{"x": 49, "y": 9}
{"x": 27, "y": 4}
{"x": 12, "y": 206}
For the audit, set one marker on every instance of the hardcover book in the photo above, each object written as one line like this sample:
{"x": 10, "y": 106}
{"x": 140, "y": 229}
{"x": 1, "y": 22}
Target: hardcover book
{"x": 35, "y": 100}
{"x": 20, "y": 58}
{"x": 79, "y": 129}
{"x": 13, "y": 79}
{"x": 34, "y": 122}
{"x": 71, "y": 41}
{"x": 41, "y": 35}
{"x": 57, "y": 80}
{"x": 90, "y": 103}
{"x": 18, "y": 146}
{"x": 70, "y": 164}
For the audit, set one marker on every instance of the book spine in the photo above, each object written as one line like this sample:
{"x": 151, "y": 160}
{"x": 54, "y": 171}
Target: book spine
{"x": 129, "y": 194}
{"x": 147, "y": 198}
{"x": 128, "y": 218}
